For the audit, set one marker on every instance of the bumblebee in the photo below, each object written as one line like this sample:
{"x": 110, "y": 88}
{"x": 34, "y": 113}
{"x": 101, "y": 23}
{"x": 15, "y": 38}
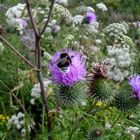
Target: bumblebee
{"x": 64, "y": 61}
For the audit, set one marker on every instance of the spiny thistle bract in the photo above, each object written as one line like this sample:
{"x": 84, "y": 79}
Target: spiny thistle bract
{"x": 71, "y": 95}
{"x": 124, "y": 99}
{"x": 95, "y": 134}
{"x": 101, "y": 89}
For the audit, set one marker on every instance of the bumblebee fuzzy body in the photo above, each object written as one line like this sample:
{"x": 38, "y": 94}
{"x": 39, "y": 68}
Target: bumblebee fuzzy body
{"x": 64, "y": 61}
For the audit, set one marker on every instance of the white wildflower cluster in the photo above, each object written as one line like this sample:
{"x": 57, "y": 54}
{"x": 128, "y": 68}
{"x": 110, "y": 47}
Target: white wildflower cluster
{"x": 101, "y": 6}
{"x": 52, "y": 27}
{"x": 60, "y": 12}
{"x": 83, "y": 103}
{"x": 83, "y": 9}
{"x": 133, "y": 131}
{"x": 94, "y": 49}
{"x": 98, "y": 41}
{"x": 91, "y": 28}
{"x": 90, "y": 9}
{"x": 63, "y": 2}
{"x": 107, "y": 125}
{"x": 1, "y": 47}
{"x": 40, "y": 10}
{"x": 77, "y": 19}
{"x": 120, "y": 54}
{"x": 120, "y": 60}
{"x": 116, "y": 29}
{"x": 35, "y": 92}
{"x": 15, "y": 17}
{"x": 19, "y": 122}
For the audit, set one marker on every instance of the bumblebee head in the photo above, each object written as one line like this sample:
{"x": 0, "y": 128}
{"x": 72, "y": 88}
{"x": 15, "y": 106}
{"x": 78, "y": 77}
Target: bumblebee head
{"x": 63, "y": 55}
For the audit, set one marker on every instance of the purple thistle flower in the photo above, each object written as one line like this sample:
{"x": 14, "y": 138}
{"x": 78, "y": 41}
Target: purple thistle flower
{"x": 68, "y": 67}
{"x": 135, "y": 83}
{"x": 90, "y": 18}
{"x": 24, "y": 23}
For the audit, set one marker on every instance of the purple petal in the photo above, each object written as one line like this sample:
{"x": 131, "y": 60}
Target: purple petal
{"x": 135, "y": 83}
{"x": 77, "y": 68}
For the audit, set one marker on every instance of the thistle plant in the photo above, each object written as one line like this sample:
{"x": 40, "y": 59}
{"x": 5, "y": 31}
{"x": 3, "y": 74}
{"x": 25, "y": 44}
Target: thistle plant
{"x": 80, "y": 73}
{"x": 101, "y": 88}
{"x": 69, "y": 70}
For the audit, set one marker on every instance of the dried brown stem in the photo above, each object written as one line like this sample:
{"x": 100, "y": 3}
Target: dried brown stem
{"x": 18, "y": 53}
{"x": 36, "y": 31}
{"x": 43, "y": 92}
{"x": 39, "y": 61}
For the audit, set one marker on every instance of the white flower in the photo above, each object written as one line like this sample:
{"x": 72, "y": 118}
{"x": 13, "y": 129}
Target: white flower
{"x": 107, "y": 125}
{"x": 35, "y": 92}
{"x": 18, "y": 126}
{"x": 83, "y": 103}
{"x": 64, "y": 2}
{"x": 53, "y": 22}
{"x": 132, "y": 130}
{"x": 14, "y": 16}
{"x": 98, "y": 41}
{"x": 16, "y": 122}
{"x": 94, "y": 48}
{"x": 90, "y": 9}
{"x": 91, "y": 28}
{"x": 56, "y": 28}
{"x": 23, "y": 132}
{"x": 20, "y": 115}
{"x": 77, "y": 19}
{"x": 101, "y": 6}
{"x": 22, "y": 122}
{"x": 32, "y": 101}
{"x": 42, "y": 12}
